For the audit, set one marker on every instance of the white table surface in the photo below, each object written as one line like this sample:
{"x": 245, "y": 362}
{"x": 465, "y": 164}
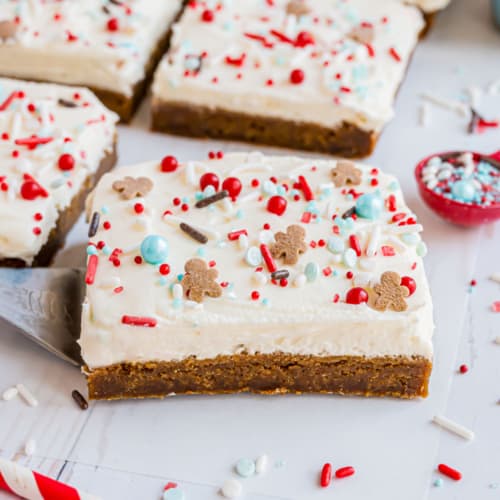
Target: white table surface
{"x": 130, "y": 449}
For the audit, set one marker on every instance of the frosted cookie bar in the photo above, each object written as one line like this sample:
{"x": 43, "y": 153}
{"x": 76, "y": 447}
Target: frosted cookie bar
{"x": 310, "y": 74}
{"x": 253, "y": 273}
{"x": 108, "y": 45}
{"x": 55, "y": 142}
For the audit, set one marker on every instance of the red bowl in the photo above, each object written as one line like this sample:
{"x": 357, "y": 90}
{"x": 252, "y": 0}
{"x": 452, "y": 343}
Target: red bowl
{"x": 463, "y": 214}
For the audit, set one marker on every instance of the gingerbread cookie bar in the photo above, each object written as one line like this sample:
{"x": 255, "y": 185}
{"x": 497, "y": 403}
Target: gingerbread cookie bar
{"x": 309, "y": 74}
{"x": 109, "y": 46}
{"x": 253, "y": 273}
{"x": 55, "y": 143}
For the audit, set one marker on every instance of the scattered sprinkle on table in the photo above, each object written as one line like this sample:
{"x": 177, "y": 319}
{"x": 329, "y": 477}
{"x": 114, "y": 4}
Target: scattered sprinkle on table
{"x": 231, "y": 489}
{"x": 326, "y": 475}
{"x": 450, "y": 472}
{"x": 80, "y": 400}
{"x": 451, "y": 426}
{"x": 261, "y": 464}
{"x": 245, "y": 467}
{"x": 344, "y": 472}
{"x": 27, "y": 395}
{"x": 12, "y": 392}
{"x": 30, "y": 447}
{"x": 463, "y": 369}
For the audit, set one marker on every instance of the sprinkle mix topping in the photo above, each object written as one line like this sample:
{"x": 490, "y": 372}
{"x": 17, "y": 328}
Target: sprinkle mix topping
{"x": 204, "y": 246}
{"x": 47, "y": 153}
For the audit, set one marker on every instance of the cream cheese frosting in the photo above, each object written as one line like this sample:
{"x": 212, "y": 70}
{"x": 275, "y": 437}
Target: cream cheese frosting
{"x": 331, "y": 62}
{"x": 141, "y": 302}
{"x": 429, "y": 6}
{"x": 51, "y": 139}
{"x": 98, "y": 43}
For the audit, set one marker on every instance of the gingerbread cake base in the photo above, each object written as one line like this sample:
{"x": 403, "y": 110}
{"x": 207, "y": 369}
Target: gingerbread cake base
{"x": 201, "y": 121}
{"x": 67, "y": 219}
{"x": 126, "y": 106}
{"x": 395, "y": 376}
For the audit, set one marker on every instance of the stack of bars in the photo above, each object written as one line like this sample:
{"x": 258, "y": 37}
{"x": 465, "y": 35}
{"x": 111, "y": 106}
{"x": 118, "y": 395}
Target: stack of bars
{"x": 254, "y": 273}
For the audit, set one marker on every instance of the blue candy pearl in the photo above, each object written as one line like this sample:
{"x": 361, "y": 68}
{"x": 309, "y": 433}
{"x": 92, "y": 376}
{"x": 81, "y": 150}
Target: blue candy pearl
{"x": 154, "y": 249}
{"x": 369, "y": 206}
{"x": 464, "y": 190}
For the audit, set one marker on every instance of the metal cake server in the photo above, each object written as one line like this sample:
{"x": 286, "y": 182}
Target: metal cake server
{"x": 45, "y": 305}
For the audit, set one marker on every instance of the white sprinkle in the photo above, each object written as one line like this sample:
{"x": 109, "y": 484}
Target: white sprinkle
{"x": 495, "y": 277}
{"x": 266, "y": 237}
{"x": 9, "y": 394}
{"x": 26, "y": 395}
{"x": 251, "y": 167}
{"x": 259, "y": 278}
{"x": 249, "y": 197}
{"x": 177, "y": 291}
{"x": 243, "y": 241}
{"x": 423, "y": 115}
{"x": 455, "y": 106}
{"x": 367, "y": 264}
{"x": 410, "y": 228}
{"x": 373, "y": 242}
{"x": 262, "y": 462}
{"x": 190, "y": 170}
{"x": 474, "y": 95}
{"x": 451, "y": 426}
{"x": 494, "y": 87}
{"x": 30, "y": 447}
{"x": 231, "y": 488}
{"x": 300, "y": 280}
{"x": 497, "y": 340}
{"x": 432, "y": 184}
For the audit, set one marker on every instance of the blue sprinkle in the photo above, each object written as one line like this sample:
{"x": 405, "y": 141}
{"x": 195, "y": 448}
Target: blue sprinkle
{"x": 105, "y": 210}
{"x": 106, "y": 250}
{"x": 266, "y": 302}
{"x": 245, "y": 467}
{"x": 311, "y": 271}
{"x": 162, "y": 281}
{"x": 438, "y": 482}
{"x": 173, "y": 494}
{"x": 201, "y": 252}
{"x": 91, "y": 250}
{"x": 180, "y": 276}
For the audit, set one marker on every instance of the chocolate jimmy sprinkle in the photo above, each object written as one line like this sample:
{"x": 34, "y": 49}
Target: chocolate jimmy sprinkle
{"x": 94, "y": 224}
{"x": 349, "y": 213}
{"x": 280, "y": 274}
{"x": 194, "y": 233}
{"x": 106, "y": 10}
{"x": 80, "y": 400}
{"x": 474, "y": 120}
{"x": 212, "y": 199}
{"x": 66, "y": 104}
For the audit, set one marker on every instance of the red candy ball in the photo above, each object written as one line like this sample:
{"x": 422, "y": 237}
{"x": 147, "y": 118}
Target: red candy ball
{"x": 169, "y": 164}
{"x": 356, "y": 295}
{"x": 276, "y": 205}
{"x": 233, "y": 186}
{"x": 30, "y": 190}
{"x": 209, "y": 179}
{"x": 113, "y": 24}
{"x": 207, "y": 16}
{"x": 66, "y": 162}
{"x": 304, "y": 38}
{"x": 409, "y": 283}
{"x": 297, "y": 76}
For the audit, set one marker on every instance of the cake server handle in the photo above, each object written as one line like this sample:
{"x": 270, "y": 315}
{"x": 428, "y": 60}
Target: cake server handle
{"x": 45, "y": 305}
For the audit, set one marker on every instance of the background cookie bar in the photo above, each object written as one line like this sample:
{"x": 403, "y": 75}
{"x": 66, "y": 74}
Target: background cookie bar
{"x": 111, "y": 47}
{"x": 306, "y": 74}
{"x": 255, "y": 273}
{"x": 55, "y": 142}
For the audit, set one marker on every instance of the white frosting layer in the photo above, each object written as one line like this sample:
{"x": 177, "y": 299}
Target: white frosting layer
{"x": 86, "y": 132}
{"x": 303, "y": 317}
{"x": 429, "y": 6}
{"x": 69, "y": 41}
{"x": 344, "y": 79}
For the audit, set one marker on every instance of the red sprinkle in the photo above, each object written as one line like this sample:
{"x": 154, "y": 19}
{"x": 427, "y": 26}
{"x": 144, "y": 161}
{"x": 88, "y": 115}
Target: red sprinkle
{"x": 391, "y": 203}
{"x": 355, "y": 244}
{"x": 268, "y": 258}
{"x": 139, "y": 208}
{"x": 91, "y": 269}
{"x": 326, "y": 475}
{"x": 388, "y": 251}
{"x": 113, "y": 24}
{"x": 169, "y": 164}
{"x": 139, "y": 321}
{"x": 450, "y": 472}
{"x": 464, "y": 368}
{"x": 297, "y": 76}
{"x": 255, "y": 295}
{"x": 33, "y": 142}
{"x": 394, "y": 54}
{"x": 306, "y": 189}
{"x": 234, "y": 235}
{"x": 344, "y": 472}
{"x": 10, "y": 98}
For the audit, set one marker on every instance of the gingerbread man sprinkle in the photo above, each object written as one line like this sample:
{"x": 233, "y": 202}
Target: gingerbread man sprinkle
{"x": 199, "y": 280}
{"x": 133, "y": 187}
{"x": 346, "y": 174}
{"x": 289, "y": 245}
{"x": 362, "y": 34}
{"x": 297, "y": 8}
{"x": 390, "y": 294}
